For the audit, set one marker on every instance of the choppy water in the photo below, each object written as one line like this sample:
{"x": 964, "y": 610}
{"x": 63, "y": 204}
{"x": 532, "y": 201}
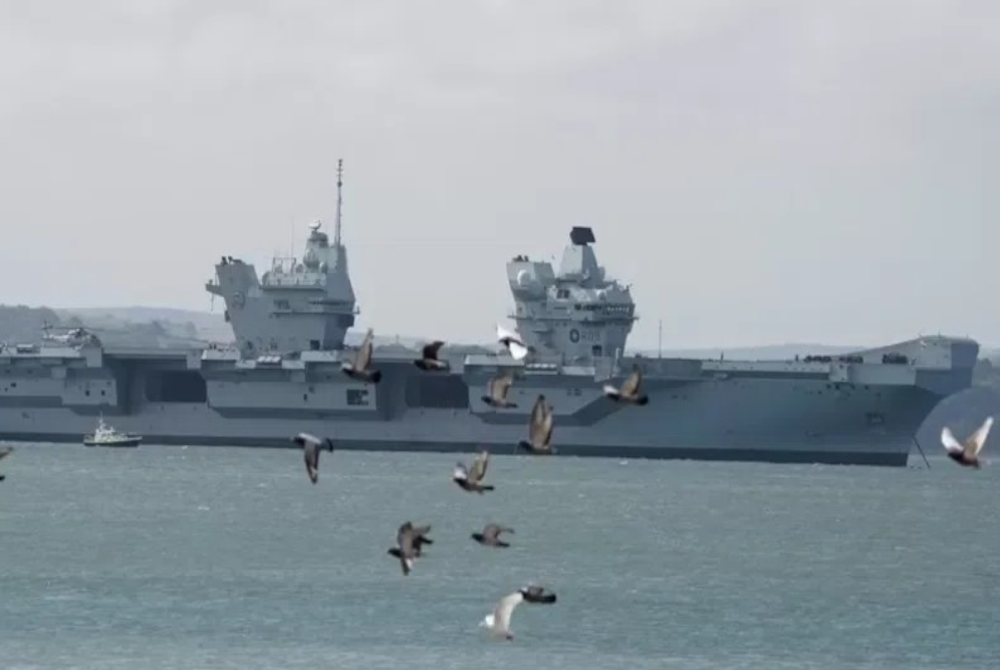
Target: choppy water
{"x": 206, "y": 558}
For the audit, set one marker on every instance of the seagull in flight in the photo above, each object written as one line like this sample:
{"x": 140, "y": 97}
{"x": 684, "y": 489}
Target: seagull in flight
{"x": 497, "y": 623}
{"x": 512, "y": 342}
{"x": 966, "y": 454}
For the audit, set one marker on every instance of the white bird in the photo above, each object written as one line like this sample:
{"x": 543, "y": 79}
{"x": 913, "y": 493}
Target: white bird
{"x": 517, "y": 348}
{"x": 497, "y": 622}
{"x": 966, "y": 454}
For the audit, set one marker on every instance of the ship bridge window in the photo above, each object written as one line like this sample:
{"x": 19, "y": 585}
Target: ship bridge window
{"x": 438, "y": 392}
{"x": 562, "y": 294}
{"x": 281, "y": 304}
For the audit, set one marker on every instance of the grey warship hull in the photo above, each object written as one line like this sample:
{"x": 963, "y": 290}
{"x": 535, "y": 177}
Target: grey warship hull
{"x": 283, "y": 375}
{"x": 794, "y": 412}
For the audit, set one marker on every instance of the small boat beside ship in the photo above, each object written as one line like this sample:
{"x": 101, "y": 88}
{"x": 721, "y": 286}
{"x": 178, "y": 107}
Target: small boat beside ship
{"x": 107, "y": 436}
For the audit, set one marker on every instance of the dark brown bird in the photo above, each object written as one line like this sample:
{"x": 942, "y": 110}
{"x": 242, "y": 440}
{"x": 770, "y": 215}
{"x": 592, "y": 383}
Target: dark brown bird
{"x": 358, "y": 369}
{"x": 409, "y": 540}
{"x": 470, "y": 478}
{"x": 311, "y": 446}
{"x": 490, "y": 536}
{"x": 538, "y": 594}
{"x": 966, "y": 454}
{"x": 539, "y": 429}
{"x": 4, "y": 452}
{"x": 497, "y": 390}
{"x": 630, "y": 391}
{"x": 429, "y": 357}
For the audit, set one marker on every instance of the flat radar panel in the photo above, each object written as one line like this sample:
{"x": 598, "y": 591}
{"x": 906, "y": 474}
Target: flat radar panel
{"x": 581, "y": 236}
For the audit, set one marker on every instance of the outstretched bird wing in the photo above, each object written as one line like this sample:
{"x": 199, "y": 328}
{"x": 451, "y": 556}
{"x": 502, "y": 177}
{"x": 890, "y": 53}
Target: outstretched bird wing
{"x": 505, "y": 608}
{"x": 974, "y": 444}
{"x": 364, "y": 353}
{"x": 478, "y": 470}
{"x": 949, "y": 441}
{"x": 540, "y": 426}
{"x": 499, "y": 386}
{"x": 6, "y": 451}
{"x": 631, "y": 385}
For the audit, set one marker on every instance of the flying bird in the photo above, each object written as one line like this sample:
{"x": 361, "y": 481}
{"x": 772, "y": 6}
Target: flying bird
{"x": 409, "y": 540}
{"x": 498, "y": 621}
{"x": 966, "y": 454}
{"x": 311, "y": 446}
{"x": 490, "y": 537}
{"x": 4, "y": 452}
{"x": 512, "y": 343}
{"x": 497, "y": 389}
{"x": 539, "y": 429}
{"x": 429, "y": 357}
{"x": 631, "y": 390}
{"x": 358, "y": 369}
{"x": 470, "y": 478}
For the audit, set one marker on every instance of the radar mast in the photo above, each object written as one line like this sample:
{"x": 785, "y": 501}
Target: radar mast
{"x": 340, "y": 184}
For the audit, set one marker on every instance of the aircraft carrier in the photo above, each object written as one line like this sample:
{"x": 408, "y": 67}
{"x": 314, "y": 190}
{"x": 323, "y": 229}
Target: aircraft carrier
{"x": 282, "y": 375}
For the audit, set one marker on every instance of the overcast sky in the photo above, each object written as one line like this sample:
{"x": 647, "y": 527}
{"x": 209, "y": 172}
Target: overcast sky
{"x": 760, "y": 172}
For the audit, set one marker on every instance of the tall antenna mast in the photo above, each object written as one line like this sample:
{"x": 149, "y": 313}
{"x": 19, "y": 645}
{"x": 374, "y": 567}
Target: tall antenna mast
{"x": 340, "y": 184}
{"x": 659, "y": 341}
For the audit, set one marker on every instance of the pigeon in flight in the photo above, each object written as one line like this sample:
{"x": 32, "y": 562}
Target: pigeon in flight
{"x": 966, "y": 454}
{"x": 4, "y": 452}
{"x": 470, "y": 478}
{"x": 311, "y": 446}
{"x": 630, "y": 392}
{"x": 358, "y": 369}
{"x": 497, "y": 622}
{"x": 497, "y": 390}
{"x": 409, "y": 540}
{"x": 429, "y": 358}
{"x": 490, "y": 537}
{"x": 539, "y": 429}
{"x": 512, "y": 343}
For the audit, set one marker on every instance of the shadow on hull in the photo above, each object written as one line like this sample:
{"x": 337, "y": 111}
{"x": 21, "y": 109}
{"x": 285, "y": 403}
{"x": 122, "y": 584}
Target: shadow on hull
{"x": 786, "y": 456}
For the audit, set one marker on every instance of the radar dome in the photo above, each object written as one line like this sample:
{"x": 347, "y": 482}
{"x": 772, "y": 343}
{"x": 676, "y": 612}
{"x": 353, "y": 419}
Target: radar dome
{"x": 523, "y": 278}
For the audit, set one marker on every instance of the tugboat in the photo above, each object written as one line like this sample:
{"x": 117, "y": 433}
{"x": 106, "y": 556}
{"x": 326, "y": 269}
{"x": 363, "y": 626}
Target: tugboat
{"x": 107, "y": 436}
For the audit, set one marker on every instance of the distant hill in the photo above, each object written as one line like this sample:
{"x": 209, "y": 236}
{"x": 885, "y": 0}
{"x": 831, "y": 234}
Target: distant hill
{"x": 204, "y": 326}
